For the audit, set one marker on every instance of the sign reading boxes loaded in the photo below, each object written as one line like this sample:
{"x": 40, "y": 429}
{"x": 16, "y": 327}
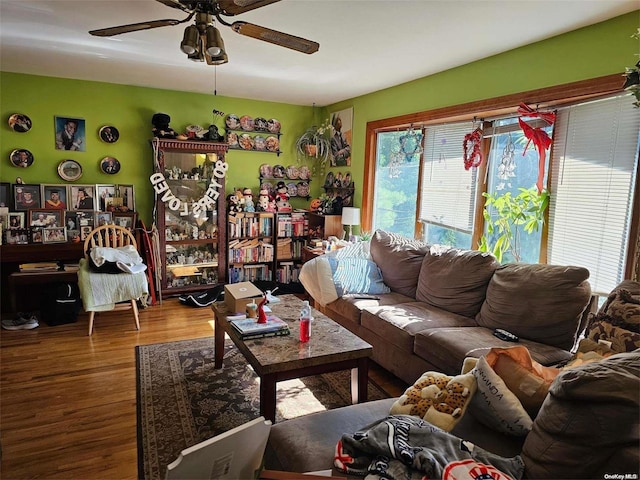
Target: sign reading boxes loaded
{"x": 237, "y": 295}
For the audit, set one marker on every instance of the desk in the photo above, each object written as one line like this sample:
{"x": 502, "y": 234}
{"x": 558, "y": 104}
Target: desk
{"x": 11, "y": 256}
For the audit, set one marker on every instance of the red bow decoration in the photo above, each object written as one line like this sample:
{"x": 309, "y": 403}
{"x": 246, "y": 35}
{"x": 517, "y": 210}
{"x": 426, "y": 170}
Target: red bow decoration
{"x": 475, "y": 158}
{"x": 539, "y": 137}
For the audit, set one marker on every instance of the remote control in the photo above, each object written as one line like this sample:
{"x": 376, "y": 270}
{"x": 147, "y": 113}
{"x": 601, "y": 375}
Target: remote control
{"x": 504, "y": 335}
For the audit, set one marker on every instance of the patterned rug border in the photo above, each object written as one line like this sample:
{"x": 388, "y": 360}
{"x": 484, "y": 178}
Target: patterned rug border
{"x": 183, "y": 345}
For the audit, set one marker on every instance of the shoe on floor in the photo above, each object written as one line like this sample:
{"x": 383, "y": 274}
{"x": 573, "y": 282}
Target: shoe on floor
{"x": 21, "y": 322}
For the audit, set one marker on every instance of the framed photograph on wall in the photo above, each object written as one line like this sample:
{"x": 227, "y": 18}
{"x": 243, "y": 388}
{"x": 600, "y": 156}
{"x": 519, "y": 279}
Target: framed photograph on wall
{"x": 5, "y": 194}
{"x": 126, "y": 220}
{"x": 85, "y": 232}
{"x": 70, "y": 134}
{"x": 72, "y": 223}
{"x": 82, "y": 197}
{"x": 26, "y": 196}
{"x": 43, "y": 217}
{"x": 36, "y": 234}
{"x": 103, "y": 218}
{"x": 16, "y": 219}
{"x": 54, "y": 196}
{"x": 342, "y": 122}
{"x": 104, "y": 192}
{"x": 128, "y": 195}
{"x": 54, "y": 235}
{"x": 18, "y": 236}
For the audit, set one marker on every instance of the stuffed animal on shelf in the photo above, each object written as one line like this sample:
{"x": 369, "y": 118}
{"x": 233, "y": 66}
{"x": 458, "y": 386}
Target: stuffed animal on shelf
{"x": 240, "y": 196}
{"x": 247, "y": 194}
{"x": 161, "y": 128}
{"x": 233, "y": 204}
{"x": 213, "y": 134}
{"x": 263, "y": 200}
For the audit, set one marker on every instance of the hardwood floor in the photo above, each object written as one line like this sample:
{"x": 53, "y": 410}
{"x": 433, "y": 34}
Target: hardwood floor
{"x": 68, "y": 401}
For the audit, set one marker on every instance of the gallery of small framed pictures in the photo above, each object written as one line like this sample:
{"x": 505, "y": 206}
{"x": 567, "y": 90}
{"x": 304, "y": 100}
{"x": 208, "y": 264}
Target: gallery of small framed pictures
{"x": 53, "y": 213}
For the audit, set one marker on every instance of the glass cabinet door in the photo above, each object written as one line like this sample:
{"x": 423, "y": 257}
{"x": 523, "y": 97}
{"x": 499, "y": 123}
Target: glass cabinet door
{"x": 192, "y": 242}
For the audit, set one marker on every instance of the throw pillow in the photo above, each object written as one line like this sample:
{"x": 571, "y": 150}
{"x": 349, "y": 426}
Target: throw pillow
{"x": 399, "y": 259}
{"x": 495, "y": 406}
{"x": 356, "y": 275}
{"x": 617, "y": 322}
{"x": 437, "y": 398}
{"x": 526, "y": 379}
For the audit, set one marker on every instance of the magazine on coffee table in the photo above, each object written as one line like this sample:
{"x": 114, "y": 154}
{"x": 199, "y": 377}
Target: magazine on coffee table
{"x": 250, "y": 328}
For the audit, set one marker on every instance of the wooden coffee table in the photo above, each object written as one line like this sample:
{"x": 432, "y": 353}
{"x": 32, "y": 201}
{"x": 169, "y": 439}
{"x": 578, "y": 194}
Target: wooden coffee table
{"x": 274, "y": 359}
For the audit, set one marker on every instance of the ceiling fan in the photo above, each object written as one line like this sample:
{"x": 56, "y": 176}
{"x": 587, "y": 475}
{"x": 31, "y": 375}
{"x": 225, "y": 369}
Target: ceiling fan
{"x": 202, "y": 41}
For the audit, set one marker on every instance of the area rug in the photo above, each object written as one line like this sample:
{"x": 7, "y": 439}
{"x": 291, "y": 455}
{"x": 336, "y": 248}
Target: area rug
{"x": 182, "y": 399}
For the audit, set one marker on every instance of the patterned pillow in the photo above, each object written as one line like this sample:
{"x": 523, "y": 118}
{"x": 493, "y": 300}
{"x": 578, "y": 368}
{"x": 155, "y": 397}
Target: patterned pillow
{"x": 617, "y": 322}
{"x": 356, "y": 275}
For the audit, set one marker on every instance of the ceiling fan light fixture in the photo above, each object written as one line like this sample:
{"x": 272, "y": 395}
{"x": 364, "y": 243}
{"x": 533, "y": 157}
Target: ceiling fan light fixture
{"x": 220, "y": 59}
{"x": 189, "y": 44}
{"x": 215, "y": 44}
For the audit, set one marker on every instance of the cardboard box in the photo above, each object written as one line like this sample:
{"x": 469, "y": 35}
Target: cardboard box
{"x": 237, "y": 295}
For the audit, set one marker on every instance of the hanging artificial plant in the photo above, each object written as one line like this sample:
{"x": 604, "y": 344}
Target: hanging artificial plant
{"x": 315, "y": 142}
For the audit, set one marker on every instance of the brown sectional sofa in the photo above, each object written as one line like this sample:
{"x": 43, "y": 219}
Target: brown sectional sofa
{"x": 443, "y": 305}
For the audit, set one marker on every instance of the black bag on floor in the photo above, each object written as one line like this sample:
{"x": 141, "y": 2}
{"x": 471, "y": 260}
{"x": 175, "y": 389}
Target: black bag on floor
{"x": 61, "y": 304}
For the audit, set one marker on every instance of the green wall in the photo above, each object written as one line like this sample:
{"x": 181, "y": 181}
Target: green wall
{"x": 594, "y": 51}
{"x": 598, "y": 50}
{"x": 130, "y": 110}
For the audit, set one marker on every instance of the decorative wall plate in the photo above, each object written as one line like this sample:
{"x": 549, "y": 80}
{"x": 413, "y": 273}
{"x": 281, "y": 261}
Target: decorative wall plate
{"x": 21, "y": 158}
{"x": 20, "y": 123}
{"x": 232, "y": 121}
{"x": 273, "y": 126}
{"x": 273, "y": 144}
{"x": 109, "y": 134}
{"x": 247, "y": 123}
{"x": 69, "y": 170}
{"x": 246, "y": 141}
{"x": 110, "y": 165}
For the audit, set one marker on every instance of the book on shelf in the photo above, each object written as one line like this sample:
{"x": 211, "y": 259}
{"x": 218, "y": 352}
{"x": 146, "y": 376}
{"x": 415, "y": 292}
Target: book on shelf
{"x": 250, "y": 328}
{"x": 39, "y": 267}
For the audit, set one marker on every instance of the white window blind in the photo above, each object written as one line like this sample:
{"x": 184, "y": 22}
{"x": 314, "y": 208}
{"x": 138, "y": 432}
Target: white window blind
{"x": 594, "y": 163}
{"x": 448, "y": 190}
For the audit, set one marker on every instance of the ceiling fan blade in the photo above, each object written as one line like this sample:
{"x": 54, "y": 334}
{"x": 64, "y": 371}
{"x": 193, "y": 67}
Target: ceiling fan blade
{"x": 278, "y": 38}
{"x": 235, "y": 7}
{"x": 174, "y": 4}
{"x": 134, "y": 27}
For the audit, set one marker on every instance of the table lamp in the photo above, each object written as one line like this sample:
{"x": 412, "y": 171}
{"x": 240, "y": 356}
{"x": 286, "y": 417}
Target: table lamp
{"x": 350, "y": 216}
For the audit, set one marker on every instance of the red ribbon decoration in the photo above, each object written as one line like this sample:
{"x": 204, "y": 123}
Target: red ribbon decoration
{"x": 475, "y": 158}
{"x": 538, "y": 136}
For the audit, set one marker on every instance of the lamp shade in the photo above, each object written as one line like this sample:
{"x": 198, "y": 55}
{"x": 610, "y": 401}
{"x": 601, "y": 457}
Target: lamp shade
{"x": 350, "y": 216}
{"x": 190, "y": 41}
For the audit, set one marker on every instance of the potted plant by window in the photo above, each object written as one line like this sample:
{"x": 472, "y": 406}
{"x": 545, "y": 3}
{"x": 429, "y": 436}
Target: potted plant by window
{"x": 315, "y": 142}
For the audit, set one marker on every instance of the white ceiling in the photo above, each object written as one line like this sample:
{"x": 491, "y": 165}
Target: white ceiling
{"x": 365, "y": 45}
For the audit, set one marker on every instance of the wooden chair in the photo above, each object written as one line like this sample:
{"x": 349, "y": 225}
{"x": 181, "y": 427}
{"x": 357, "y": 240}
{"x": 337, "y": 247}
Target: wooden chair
{"x": 112, "y": 236}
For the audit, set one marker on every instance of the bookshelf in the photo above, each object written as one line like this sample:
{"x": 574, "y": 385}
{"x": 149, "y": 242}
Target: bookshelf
{"x": 250, "y": 251}
{"x": 291, "y": 237}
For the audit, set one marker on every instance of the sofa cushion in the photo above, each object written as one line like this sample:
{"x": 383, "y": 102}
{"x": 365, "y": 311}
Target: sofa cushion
{"x": 400, "y": 260}
{"x": 455, "y": 280}
{"x": 495, "y": 405}
{"x": 537, "y": 301}
{"x": 588, "y": 425}
{"x": 447, "y": 347}
{"x": 350, "y": 306}
{"x": 400, "y": 323}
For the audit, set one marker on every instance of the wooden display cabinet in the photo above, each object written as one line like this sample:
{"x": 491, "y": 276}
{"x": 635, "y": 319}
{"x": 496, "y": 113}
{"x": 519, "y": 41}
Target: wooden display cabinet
{"x": 190, "y": 219}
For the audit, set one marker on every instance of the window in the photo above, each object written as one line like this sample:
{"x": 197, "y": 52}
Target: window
{"x": 448, "y": 190}
{"x": 592, "y": 171}
{"x": 396, "y": 184}
{"x": 595, "y": 163}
